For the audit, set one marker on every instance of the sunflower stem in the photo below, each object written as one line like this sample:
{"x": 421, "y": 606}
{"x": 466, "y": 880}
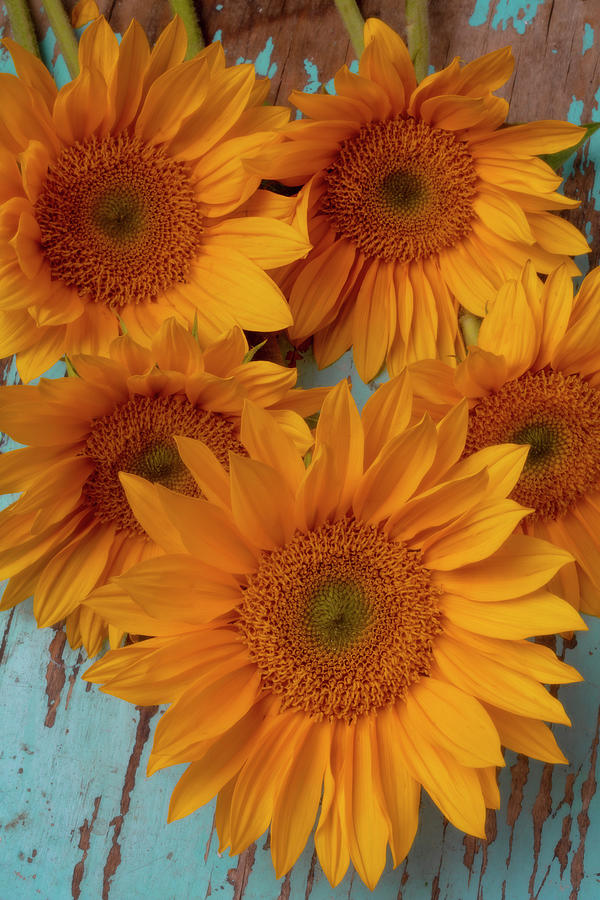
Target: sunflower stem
{"x": 469, "y": 326}
{"x": 21, "y": 25}
{"x": 354, "y": 22}
{"x": 64, "y": 34}
{"x": 186, "y": 12}
{"x": 417, "y": 33}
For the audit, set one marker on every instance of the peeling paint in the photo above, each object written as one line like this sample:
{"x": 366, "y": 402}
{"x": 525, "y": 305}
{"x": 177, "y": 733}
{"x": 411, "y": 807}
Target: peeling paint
{"x": 519, "y": 14}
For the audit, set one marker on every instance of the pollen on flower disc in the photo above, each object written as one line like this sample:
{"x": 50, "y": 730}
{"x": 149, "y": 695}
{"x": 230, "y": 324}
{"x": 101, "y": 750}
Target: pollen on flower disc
{"x": 118, "y": 219}
{"x": 559, "y": 416}
{"x": 138, "y": 438}
{"x": 340, "y": 621}
{"x": 401, "y": 190}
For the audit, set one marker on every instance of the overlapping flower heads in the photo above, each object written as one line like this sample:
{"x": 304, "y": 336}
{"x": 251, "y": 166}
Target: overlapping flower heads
{"x": 354, "y": 629}
{"x": 534, "y": 379}
{"x": 73, "y": 528}
{"x": 334, "y": 627}
{"x": 118, "y": 195}
{"x": 416, "y": 199}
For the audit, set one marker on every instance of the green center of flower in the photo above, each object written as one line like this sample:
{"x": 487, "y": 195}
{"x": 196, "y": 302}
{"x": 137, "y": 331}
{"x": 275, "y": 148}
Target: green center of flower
{"x": 559, "y": 417}
{"x": 137, "y": 437}
{"x": 340, "y": 621}
{"x": 544, "y": 440}
{"x": 337, "y": 615}
{"x": 401, "y": 190}
{"x": 161, "y": 463}
{"x": 119, "y": 215}
{"x": 404, "y": 192}
{"x": 119, "y": 220}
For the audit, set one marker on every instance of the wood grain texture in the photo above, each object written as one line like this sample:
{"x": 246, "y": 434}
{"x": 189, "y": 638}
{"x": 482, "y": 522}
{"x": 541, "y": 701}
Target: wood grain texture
{"x": 77, "y": 817}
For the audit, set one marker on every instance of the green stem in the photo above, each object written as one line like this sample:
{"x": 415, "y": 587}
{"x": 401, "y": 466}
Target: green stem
{"x": 64, "y": 34}
{"x": 469, "y": 325}
{"x": 21, "y": 25}
{"x": 186, "y": 12}
{"x": 354, "y": 22}
{"x": 417, "y": 33}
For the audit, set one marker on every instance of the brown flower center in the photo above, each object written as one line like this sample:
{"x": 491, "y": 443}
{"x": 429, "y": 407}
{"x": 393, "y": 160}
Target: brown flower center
{"x": 138, "y": 438}
{"x": 401, "y": 190}
{"x": 559, "y": 416}
{"x": 119, "y": 220}
{"x": 341, "y": 621}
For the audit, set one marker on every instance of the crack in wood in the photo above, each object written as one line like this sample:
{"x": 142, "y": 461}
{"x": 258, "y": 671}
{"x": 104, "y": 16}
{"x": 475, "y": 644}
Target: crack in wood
{"x": 55, "y": 675}
{"x": 519, "y": 773}
{"x": 5, "y": 635}
{"x": 142, "y": 734}
{"x": 284, "y": 893}
{"x": 85, "y": 832}
{"x": 542, "y": 808}
{"x": 239, "y": 876}
{"x": 588, "y": 789}
{"x": 310, "y": 879}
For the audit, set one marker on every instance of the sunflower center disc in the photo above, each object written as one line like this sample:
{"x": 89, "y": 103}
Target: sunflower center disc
{"x": 119, "y": 220}
{"x": 401, "y": 190}
{"x": 138, "y": 438}
{"x": 559, "y": 416}
{"x": 341, "y": 621}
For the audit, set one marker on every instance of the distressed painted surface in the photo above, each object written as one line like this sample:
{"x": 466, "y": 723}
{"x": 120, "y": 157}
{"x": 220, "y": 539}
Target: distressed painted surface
{"x": 78, "y": 819}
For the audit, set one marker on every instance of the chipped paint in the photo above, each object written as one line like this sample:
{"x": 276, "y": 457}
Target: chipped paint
{"x": 263, "y": 64}
{"x": 513, "y": 12}
{"x": 588, "y": 39}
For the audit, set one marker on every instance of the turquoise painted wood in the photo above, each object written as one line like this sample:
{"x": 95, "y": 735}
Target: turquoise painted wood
{"x": 78, "y": 818}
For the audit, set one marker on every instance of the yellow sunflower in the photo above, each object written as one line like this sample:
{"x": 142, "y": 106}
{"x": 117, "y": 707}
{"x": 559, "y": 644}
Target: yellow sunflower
{"x": 118, "y": 197}
{"x": 534, "y": 378}
{"x": 73, "y": 528}
{"x": 348, "y": 633}
{"x": 416, "y": 199}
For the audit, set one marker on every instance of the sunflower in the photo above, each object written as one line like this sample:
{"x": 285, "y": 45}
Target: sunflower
{"x": 534, "y": 378}
{"x": 73, "y": 528}
{"x": 417, "y": 199}
{"x": 348, "y": 633}
{"x": 118, "y": 197}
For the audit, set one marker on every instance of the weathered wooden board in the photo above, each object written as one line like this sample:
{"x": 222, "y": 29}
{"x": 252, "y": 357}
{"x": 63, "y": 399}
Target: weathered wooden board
{"x": 78, "y": 819}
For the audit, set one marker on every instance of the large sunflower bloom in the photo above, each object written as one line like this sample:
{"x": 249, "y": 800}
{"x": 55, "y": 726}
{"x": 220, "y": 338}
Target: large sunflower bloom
{"x": 350, "y": 632}
{"x": 534, "y": 378}
{"x": 417, "y": 199}
{"x": 117, "y": 194}
{"x": 73, "y": 528}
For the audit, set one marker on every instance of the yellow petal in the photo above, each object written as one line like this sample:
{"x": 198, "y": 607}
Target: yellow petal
{"x": 340, "y": 428}
{"x": 261, "y": 503}
{"x": 267, "y": 242}
{"x": 297, "y": 800}
{"x": 259, "y": 779}
{"x": 436, "y": 507}
{"x": 474, "y": 536}
{"x": 203, "y": 779}
{"x": 449, "y": 718}
{"x": 539, "y": 613}
{"x": 528, "y": 736}
{"x": 365, "y": 822}
{"x": 522, "y": 565}
{"x": 494, "y": 683}
{"x": 399, "y": 789}
{"x": 71, "y": 575}
{"x": 396, "y": 473}
{"x": 452, "y": 787}
{"x": 267, "y": 442}
{"x": 180, "y": 588}
{"x": 171, "y": 99}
